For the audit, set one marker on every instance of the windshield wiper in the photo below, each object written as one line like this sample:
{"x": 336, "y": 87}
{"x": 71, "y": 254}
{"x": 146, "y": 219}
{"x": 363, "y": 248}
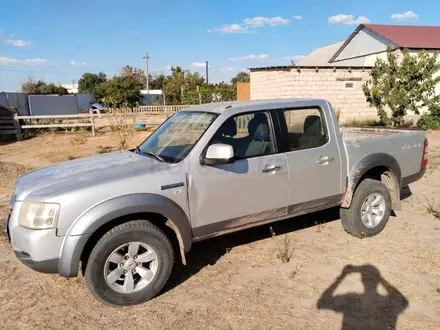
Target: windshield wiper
{"x": 150, "y": 153}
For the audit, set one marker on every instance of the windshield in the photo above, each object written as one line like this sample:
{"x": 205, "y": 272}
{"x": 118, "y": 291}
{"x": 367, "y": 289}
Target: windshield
{"x": 172, "y": 141}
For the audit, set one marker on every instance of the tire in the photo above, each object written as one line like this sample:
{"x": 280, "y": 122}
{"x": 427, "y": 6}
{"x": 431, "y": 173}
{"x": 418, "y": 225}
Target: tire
{"x": 352, "y": 218}
{"x": 116, "y": 252}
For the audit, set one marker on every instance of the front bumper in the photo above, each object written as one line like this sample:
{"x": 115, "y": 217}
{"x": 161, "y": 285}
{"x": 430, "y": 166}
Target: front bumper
{"x": 42, "y": 266}
{"x": 37, "y": 249}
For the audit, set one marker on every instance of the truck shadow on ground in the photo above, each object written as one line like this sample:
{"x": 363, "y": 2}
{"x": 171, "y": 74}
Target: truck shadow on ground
{"x": 210, "y": 251}
{"x": 367, "y": 310}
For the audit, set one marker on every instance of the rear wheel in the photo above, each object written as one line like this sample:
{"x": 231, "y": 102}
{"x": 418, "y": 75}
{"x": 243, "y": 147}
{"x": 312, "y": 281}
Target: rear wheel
{"x": 130, "y": 264}
{"x": 369, "y": 211}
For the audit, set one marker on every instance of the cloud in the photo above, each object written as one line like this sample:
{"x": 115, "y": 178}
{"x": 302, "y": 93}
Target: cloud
{"x": 228, "y": 69}
{"x": 257, "y": 22}
{"x": 232, "y": 28}
{"x": 199, "y": 65}
{"x": 168, "y": 67}
{"x": 75, "y": 63}
{"x": 295, "y": 58}
{"x": 297, "y": 17}
{"x": 244, "y": 70}
{"x": 251, "y": 58}
{"x": 406, "y": 16}
{"x": 18, "y": 43}
{"x": 347, "y": 19}
{"x": 28, "y": 62}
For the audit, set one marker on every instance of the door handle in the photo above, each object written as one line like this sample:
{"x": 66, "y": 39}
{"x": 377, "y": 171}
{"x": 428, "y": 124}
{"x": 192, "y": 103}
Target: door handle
{"x": 324, "y": 160}
{"x": 271, "y": 168}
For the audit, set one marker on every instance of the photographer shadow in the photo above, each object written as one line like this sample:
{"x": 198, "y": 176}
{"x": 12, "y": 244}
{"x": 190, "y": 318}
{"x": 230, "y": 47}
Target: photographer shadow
{"x": 370, "y": 309}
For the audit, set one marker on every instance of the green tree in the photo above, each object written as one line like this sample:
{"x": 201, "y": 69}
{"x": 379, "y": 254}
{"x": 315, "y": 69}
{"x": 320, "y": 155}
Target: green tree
{"x": 241, "y": 77}
{"x": 33, "y": 86}
{"x": 156, "y": 81}
{"x": 179, "y": 82}
{"x": 403, "y": 84}
{"x": 120, "y": 92}
{"x": 54, "y": 89}
{"x": 90, "y": 83}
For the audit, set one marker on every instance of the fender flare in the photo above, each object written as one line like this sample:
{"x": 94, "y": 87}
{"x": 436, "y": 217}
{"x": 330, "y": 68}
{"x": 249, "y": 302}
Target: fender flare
{"x": 367, "y": 163}
{"x": 81, "y": 230}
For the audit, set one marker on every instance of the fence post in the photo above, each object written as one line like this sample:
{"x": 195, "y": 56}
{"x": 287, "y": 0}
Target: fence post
{"x": 92, "y": 120}
{"x": 17, "y": 128}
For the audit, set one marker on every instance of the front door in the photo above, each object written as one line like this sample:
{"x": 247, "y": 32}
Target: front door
{"x": 253, "y": 189}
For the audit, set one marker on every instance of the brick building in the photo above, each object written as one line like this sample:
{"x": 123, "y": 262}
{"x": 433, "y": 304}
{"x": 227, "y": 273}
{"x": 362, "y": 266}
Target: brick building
{"x": 337, "y": 72}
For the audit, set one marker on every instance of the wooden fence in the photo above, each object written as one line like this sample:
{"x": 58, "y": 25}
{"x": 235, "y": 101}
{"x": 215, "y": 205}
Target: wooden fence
{"x": 82, "y": 120}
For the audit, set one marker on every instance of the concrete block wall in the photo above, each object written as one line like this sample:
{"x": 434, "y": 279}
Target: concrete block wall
{"x": 325, "y": 83}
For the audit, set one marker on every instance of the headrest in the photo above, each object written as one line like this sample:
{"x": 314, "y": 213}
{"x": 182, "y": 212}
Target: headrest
{"x": 312, "y": 125}
{"x": 229, "y": 127}
{"x": 259, "y": 118}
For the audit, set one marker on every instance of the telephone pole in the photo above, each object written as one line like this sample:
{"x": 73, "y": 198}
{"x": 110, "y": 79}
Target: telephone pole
{"x": 207, "y": 81}
{"x": 146, "y": 57}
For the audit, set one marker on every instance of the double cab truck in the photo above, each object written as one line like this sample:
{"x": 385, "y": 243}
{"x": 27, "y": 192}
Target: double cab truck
{"x": 124, "y": 217}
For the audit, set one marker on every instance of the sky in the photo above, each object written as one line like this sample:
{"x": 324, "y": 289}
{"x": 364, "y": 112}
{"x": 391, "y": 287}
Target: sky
{"x": 58, "y": 41}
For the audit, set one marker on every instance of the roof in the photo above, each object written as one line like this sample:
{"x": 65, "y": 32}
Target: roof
{"x": 254, "y": 105}
{"x": 409, "y": 36}
{"x": 320, "y": 56}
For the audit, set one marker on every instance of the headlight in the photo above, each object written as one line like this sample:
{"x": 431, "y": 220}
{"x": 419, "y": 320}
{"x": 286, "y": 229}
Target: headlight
{"x": 35, "y": 215}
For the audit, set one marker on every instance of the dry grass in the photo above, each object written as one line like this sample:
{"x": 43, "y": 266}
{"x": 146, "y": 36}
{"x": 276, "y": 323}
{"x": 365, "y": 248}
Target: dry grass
{"x": 122, "y": 122}
{"x": 78, "y": 140}
{"x": 235, "y": 281}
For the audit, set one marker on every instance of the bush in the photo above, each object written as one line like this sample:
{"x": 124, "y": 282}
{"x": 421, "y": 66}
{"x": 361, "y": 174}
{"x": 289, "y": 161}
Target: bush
{"x": 428, "y": 121}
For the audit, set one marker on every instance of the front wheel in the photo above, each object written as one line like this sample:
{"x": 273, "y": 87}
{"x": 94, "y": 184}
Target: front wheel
{"x": 130, "y": 264}
{"x": 369, "y": 211}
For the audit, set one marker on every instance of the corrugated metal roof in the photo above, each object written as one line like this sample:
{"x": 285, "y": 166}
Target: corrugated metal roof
{"x": 409, "y": 36}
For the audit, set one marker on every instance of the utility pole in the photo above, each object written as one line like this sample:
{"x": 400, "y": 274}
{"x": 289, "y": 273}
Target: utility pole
{"x": 146, "y": 57}
{"x": 207, "y": 81}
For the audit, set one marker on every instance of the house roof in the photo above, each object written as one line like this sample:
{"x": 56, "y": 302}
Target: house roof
{"x": 320, "y": 56}
{"x": 408, "y": 36}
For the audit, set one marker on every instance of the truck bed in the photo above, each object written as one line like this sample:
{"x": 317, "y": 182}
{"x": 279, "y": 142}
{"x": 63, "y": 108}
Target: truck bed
{"x": 406, "y": 146}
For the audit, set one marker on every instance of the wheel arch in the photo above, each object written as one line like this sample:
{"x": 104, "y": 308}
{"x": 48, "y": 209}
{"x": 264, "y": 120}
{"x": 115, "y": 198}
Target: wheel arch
{"x": 379, "y": 166}
{"x": 87, "y": 230}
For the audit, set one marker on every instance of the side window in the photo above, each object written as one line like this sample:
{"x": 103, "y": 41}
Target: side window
{"x": 305, "y": 128}
{"x": 249, "y": 134}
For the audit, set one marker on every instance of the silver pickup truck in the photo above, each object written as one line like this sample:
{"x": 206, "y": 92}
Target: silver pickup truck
{"x": 212, "y": 169}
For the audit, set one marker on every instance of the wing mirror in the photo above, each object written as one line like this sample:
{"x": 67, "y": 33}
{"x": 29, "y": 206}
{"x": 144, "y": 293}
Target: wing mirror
{"x": 219, "y": 153}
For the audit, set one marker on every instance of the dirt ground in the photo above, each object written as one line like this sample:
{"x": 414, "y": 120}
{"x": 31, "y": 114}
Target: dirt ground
{"x": 236, "y": 281}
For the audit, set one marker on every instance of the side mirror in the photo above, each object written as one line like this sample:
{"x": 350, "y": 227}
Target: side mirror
{"x": 219, "y": 153}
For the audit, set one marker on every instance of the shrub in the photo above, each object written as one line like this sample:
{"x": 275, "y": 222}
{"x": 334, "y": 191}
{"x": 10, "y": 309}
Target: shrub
{"x": 78, "y": 139}
{"x": 428, "y": 121}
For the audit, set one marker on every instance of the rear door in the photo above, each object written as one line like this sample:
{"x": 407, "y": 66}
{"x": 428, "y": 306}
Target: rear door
{"x": 313, "y": 158}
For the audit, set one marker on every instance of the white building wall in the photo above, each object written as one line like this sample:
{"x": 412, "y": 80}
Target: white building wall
{"x": 326, "y": 83}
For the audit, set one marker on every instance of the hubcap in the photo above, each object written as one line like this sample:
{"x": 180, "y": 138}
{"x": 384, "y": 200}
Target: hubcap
{"x": 131, "y": 267}
{"x": 373, "y": 210}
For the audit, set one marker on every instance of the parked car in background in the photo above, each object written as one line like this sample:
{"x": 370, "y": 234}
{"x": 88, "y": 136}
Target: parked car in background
{"x": 206, "y": 171}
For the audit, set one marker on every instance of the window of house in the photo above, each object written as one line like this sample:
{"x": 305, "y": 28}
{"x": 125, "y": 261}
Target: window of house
{"x": 250, "y": 135}
{"x": 306, "y": 128}
{"x": 349, "y": 84}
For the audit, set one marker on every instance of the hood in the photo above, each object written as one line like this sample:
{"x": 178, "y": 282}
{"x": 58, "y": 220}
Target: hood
{"x": 86, "y": 171}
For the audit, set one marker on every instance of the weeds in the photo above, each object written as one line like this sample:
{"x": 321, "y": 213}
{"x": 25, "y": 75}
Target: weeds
{"x": 103, "y": 150}
{"x": 78, "y": 140}
{"x": 122, "y": 122}
{"x": 285, "y": 251}
{"x": 320, "y": 226}
{"x": 363, "y": 123}
{"x": 433, "y": 208}
{"x": 295, "y": 271}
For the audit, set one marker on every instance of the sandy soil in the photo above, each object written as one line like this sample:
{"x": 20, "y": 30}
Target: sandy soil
{"x": 236, "y": 281}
